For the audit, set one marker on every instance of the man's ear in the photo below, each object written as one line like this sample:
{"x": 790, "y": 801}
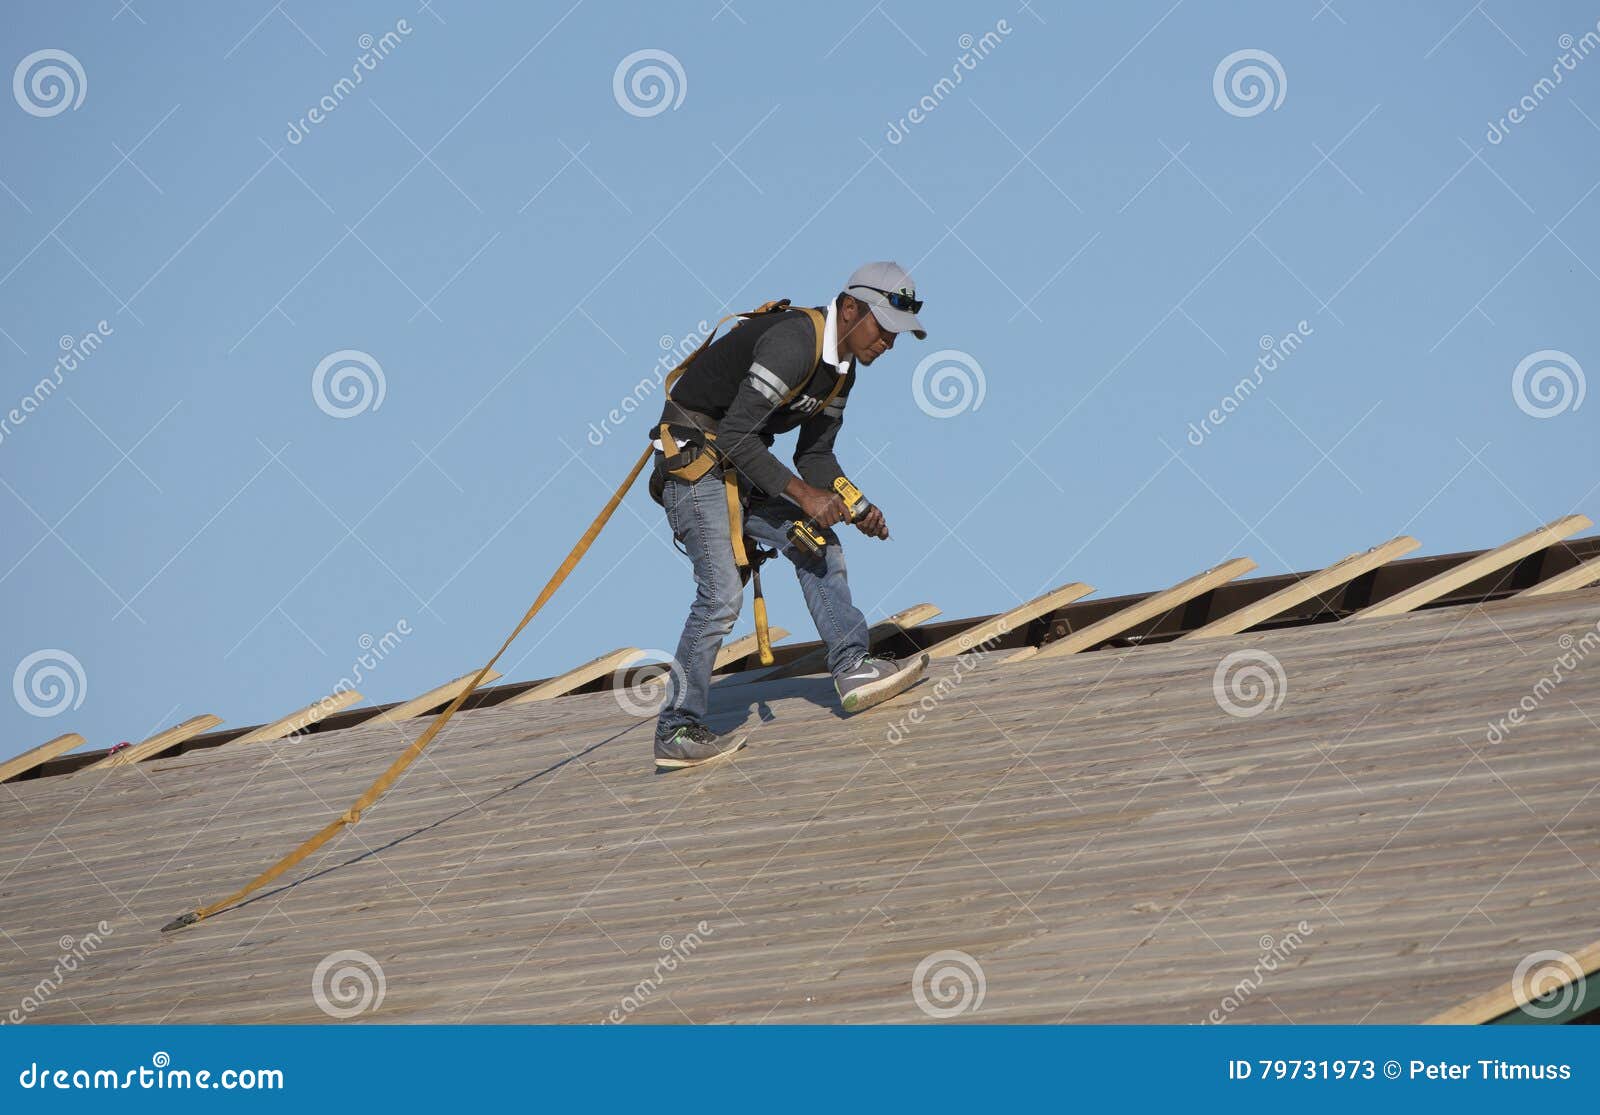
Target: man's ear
{"x": 850, "y": 310}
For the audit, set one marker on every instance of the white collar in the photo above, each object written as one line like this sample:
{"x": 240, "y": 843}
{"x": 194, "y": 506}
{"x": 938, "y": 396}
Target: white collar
{"x": 830, "y": 341}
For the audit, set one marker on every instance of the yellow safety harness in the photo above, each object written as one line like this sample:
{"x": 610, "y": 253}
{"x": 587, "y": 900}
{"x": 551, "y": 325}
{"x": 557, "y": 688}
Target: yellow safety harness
{"x": 389, "y": 777}
{"x": 710, "y": 457}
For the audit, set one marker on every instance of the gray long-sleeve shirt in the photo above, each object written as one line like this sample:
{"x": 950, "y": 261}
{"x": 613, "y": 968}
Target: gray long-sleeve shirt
{"x": 740, "y": 382}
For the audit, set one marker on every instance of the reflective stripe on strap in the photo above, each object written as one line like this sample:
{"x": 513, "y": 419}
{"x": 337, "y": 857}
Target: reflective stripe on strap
{"x": 770, "y": 386}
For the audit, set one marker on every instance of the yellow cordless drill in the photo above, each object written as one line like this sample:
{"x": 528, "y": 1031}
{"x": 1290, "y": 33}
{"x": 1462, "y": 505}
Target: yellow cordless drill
{"x": 808, "y": 537}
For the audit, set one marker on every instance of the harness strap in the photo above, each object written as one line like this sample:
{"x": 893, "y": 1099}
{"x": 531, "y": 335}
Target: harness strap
{"x": 388, "y": 778}
{"x": 730, "y": 480}
{"x": 730, "y": 487}
{"x": 710, "y": 455}
{"x": 375, "y": 792}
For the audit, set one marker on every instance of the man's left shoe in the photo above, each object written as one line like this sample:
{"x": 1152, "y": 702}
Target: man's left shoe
{"x": 874, "y": 680}
{"x": 693, "y": 745}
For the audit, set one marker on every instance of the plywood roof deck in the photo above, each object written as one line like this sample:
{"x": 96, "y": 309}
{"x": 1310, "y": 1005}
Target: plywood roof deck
{"x": 1105, "y": 840}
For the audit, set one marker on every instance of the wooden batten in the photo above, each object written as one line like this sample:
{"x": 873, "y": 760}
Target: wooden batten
{"x": 1476, "y": 567}
{"x": 1151, "y": 607}
{"x": 1019, "y": 616}
{"x": 1335, "y": 576}
{"x": 744, "y": 646}
{"x": 817, "y": 660}
{"x": 425, "y": 702}
{"x": 23, "y": 763}
{"x": 1579, "y": 576}
{"x": 300, "y": 719}
{"x": 1513, "y": 995}
{"x": 582, "y": 675}
{"x": 158, "y": 743}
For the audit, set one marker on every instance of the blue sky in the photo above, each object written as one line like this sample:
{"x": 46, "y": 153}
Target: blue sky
{"x": 506, "y": 229}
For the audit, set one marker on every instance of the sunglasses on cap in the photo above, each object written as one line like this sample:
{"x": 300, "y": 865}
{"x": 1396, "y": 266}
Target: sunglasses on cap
{"x": 895, "y": 299}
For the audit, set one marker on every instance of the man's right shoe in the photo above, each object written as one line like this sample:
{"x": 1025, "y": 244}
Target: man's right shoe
{"x": 692, "y": 746}
{"x": 874, "y": 680}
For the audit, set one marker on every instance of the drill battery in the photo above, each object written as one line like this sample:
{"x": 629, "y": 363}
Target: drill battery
{"x": 806, "y": 536}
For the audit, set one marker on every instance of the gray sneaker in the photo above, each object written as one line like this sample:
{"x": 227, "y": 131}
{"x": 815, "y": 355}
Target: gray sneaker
{"x": 692, "y": 745}
{"x": 874, "y": 680}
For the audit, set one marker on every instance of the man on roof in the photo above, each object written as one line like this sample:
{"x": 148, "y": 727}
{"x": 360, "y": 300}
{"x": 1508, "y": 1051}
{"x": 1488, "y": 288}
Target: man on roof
{"x": 773, "y": 373}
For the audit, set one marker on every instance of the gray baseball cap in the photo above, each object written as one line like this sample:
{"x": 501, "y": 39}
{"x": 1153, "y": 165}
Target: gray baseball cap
{"x": 875, "y": 283}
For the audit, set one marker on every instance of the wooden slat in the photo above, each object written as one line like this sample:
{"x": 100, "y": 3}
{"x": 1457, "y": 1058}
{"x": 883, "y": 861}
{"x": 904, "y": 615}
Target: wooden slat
{"x": 817, "y": 660}
{"x": 1147, "y": 609}
{"x": 300, "y": 719}
{"x": 26, "y": 761}
{"x": 582, "y": 675}
{"x": 1473, "y": 568}
{"x": 1509, "y": 996}
{"x": 1579, "y": 576}
{"x": 1340, "y": 573}
{"x": 425, "y": 702}
{"x": 159, "y": 742}
{"x": 745, "y": 645}
{"x": 1009, "y": 621}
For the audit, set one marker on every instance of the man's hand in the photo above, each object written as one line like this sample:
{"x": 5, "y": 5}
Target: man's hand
{"x": 823, "y": 508}
{"x": 873, "y": 524}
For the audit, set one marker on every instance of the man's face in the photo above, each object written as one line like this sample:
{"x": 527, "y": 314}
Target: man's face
{"x": 862, "y": 337}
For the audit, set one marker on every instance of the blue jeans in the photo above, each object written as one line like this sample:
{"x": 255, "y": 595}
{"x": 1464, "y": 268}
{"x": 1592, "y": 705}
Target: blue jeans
{"x": 698, "y": 515}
